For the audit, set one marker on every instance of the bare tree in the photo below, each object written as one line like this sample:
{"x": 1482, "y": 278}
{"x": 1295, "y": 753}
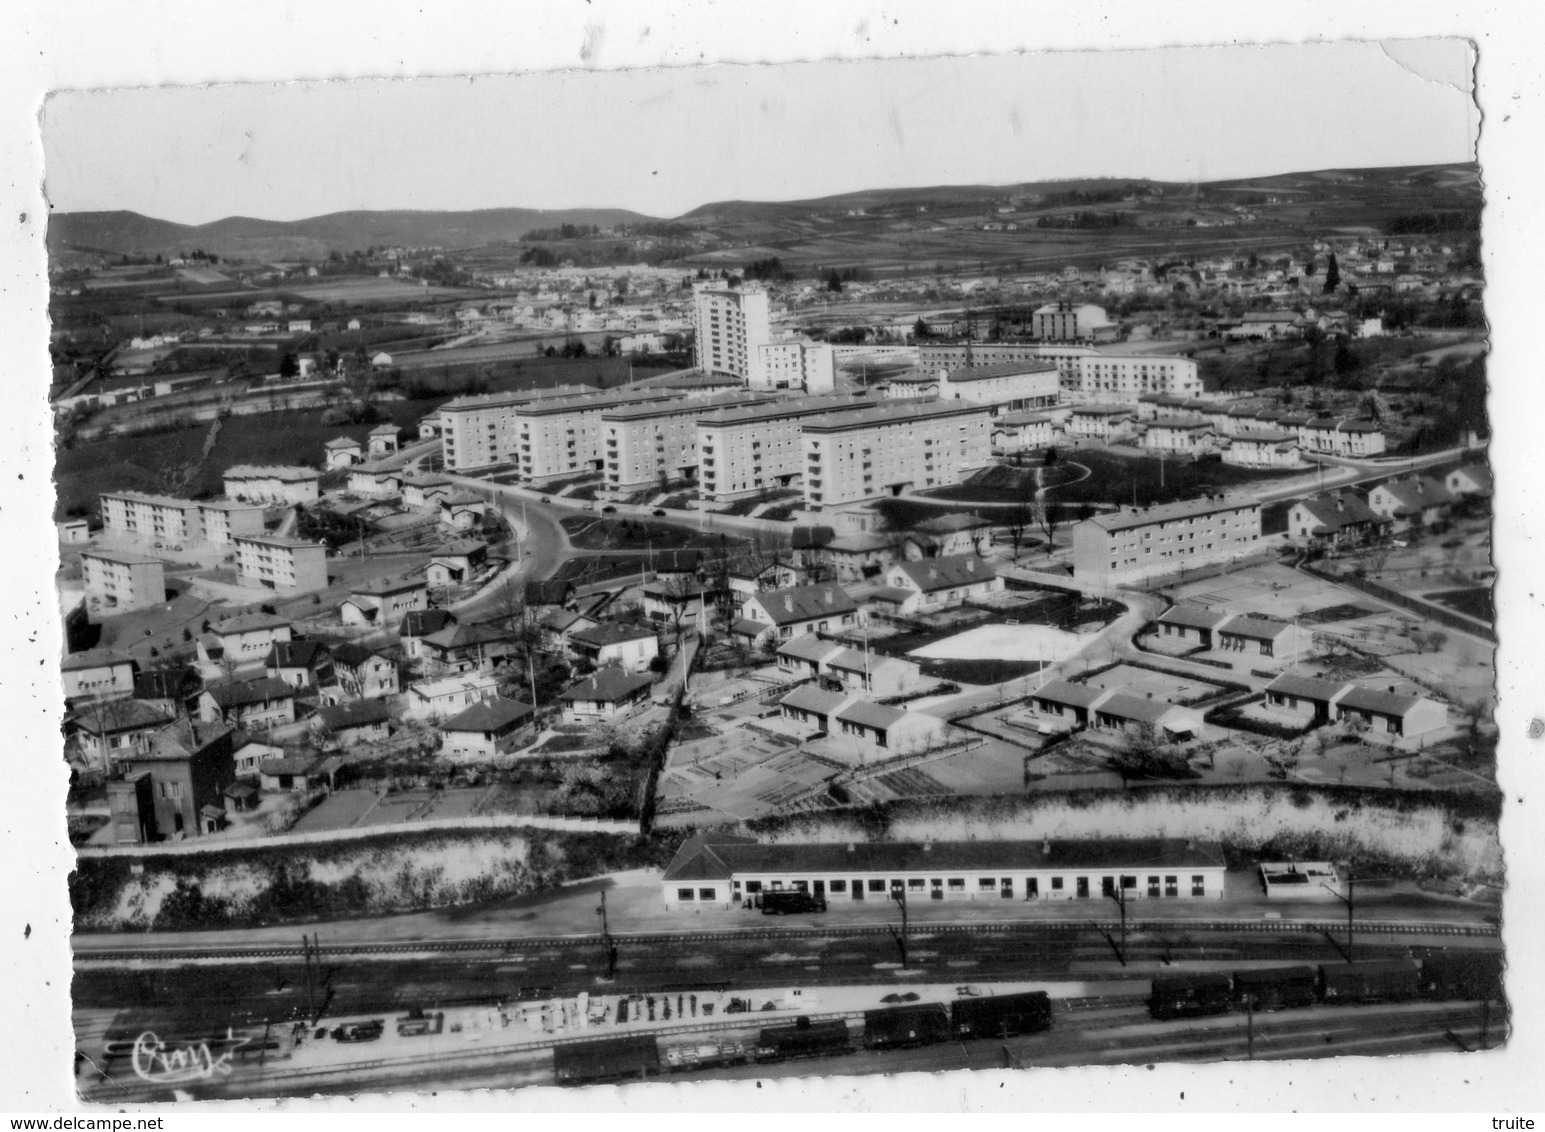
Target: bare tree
{"x": 1048, "y": 520}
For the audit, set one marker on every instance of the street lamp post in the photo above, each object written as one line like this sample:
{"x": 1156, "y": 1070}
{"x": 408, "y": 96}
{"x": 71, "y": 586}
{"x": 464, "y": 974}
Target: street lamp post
{"x": 1119, "y": 895}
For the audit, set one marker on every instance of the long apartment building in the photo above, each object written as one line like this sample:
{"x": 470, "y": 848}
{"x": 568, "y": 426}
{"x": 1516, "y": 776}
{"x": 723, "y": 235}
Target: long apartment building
{"x": 272, "y": 483}
{"x": 745, "y": 450}
{"x": 279, "y": 563}
{"x": 1090, "y": 375}
{"x": 796, "y": 365}
{"x": 561, "y": 436}
{"x": 731, "y": 324}
{"x": 479, "y": 431}
{"x": 864, "y": 454}
{"x": 167, "y": 519}
{"x": 1136, "y": 543}
{"x": 645, "y": 444}
{"x": 120, "y": 582}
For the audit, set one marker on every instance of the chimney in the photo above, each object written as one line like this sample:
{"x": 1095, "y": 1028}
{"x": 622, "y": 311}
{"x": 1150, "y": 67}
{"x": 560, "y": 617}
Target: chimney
{"x": 851, "y": 847}
{"x": 970, "y": 565}
{"x": 1392, "y": 689}
{"x": 928, "y": 847}
{"x": 788, "y": 603}
{"x": 1046, "y": 848}
{"x": 829, "y": 596}
{"x": 1340, "y": 503}
{"x": 1150, "y": 695}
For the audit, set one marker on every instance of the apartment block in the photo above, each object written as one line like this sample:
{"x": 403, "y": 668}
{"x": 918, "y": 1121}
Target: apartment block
{"x": 1072, "y": 322}
{"x": 746, "y": 450}
{"x": 1138, "y": 542}
{"x": 1094, "y": 376}
{"x": 160, "y": 517}
{"x": 807, "y": 366}
{"x": 119, "y": 582}
{"x": 561, "y": 436}
{"x": 222, "y": 520}
{"x": 479, "y": 432}
{"x": 645, "y": 444}
{"x": 1010, "y": 385}
{"x": 281, "y": 563}
{"x": 864, "y": 454}
{"x": 731, "y": 324}
{"x": 272, "y": 483}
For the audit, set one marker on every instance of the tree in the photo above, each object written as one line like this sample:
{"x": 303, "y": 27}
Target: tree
{"x": 1048, "y": 520}
{"x": 1332, "y": 275}
{"x": 289, "y": 365}
{"x": 921, "y": 330}
{"x": 833, "y": 281}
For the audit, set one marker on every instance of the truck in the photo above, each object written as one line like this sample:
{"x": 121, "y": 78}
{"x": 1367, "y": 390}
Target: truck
{"x": 1001, "y": 1015}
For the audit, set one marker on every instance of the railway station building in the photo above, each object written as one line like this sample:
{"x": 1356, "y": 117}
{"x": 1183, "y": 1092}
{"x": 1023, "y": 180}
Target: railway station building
{"x": 724, "y": 870}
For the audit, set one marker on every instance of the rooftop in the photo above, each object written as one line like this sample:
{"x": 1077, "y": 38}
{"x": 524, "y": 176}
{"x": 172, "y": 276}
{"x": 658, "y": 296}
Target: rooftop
{"x": 894, "y": 412}
{"x": 717, "y": 857}
{"x": 1129, "y": 517}
{"x": 805, "y": 603}
{"x": 493, "y": 715}
{"x": 607, "y": 685}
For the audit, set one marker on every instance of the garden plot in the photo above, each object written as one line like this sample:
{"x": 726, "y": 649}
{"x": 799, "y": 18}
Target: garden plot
{"x": 738, "y": 775}
{"x": 1007, "y": 642}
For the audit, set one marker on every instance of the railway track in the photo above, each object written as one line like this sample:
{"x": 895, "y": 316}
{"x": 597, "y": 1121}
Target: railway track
{"x": 1056, "y": 928}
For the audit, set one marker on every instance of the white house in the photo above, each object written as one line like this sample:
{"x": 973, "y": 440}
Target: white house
{"x": 938, "y": 583}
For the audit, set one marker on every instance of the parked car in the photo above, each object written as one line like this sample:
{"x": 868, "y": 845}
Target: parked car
{"x": 608, "y": 510}
{"x": 658, "y": 512}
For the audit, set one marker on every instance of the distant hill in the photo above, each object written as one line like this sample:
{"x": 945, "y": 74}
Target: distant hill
{"x": 1367, "y": 195}
{"x": 243, "y": 237}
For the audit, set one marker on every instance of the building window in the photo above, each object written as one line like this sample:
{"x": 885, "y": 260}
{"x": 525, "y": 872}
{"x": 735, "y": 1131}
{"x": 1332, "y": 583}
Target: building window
{"x": 957, "y": 884}
{"x": 838, "y": 886}
{"x": 1198, "y": 885}
{"x": 708, "y": 894}
{"x": 1056, "y": 884}
{"x": 683, "y": 894}
{"x": 753, "y": 886}
{"x": 915, "y": 884}
{"x": 877, "y": 886}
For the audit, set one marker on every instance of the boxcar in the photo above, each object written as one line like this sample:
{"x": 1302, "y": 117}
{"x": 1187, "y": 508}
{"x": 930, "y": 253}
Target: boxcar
{"x": 1002, "y": 1015}
{"x": 1462, "y": 974}
{"x": 1189, "y": 995}
{"x": 609, "y": 1059}
{"x": 803, "y": 1039}
{"x": 1276, "y": 988}
{"x": 1382, "y": 980}
{"x": 898, "y": 1026}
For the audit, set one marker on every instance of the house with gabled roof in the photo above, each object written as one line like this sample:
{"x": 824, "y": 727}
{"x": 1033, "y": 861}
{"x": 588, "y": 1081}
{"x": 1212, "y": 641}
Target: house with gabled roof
{"x": 253, "y": 704}
{"x": 1190, "y": 624}
{"x": 813, "y": 706}
{"x": 803, "y": 657}
{"x": 97, "y": 674}
{"x": 460, "y": 648}
{"x": 1308, "y": 698}
{"x": 941, "y": 583}
{"x": 456, "y": 562}
{"x": 946, "y": 536}
{"x": 384, "y": 602}
{"x": 883, "y": 728}
{"x": 486, "y": 729}
{"x": 1256, "y": 636}
{"x": 240, "y": 642}
{"x": 1412, "y": 502}
{"x": 1062, "y": 705}
{"x": 356, "y": 721}
{"x": 607, "y": 695}
{"x": 1119, "y": 711}
{"x": 109, "y": 730}
{"x": 1387, "y": 712}
{"x": 301, "y": 664}
{"x": 633, "y": 647}
{"x": 781, "y": 614}
{"x": 175, "y": 788}
{"x": 363, "y": 672}
{"x": 1336, "y": 519}
{"x": 1472, "y": 479}
{"x": 343, "y": 452}
{"x": 463, "y": 511}
{"x": 420, "y": 623}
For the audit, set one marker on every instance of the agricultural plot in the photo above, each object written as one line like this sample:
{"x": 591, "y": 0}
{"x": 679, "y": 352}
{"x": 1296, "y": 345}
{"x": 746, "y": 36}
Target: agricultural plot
{"x": 373, "y": 289}
{"x": 1144, "y": 682}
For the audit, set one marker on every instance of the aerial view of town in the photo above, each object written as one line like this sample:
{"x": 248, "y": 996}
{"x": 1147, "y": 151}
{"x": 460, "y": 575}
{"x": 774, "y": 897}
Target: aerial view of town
{"x": 974, "y": 626}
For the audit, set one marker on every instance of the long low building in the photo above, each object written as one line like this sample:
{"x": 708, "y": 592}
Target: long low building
{"x": 723, "y": 871}
{"x": 1134, "y": 544}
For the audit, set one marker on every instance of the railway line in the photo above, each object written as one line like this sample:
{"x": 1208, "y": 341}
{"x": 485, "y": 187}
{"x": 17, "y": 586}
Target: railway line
{"x": 1059, "y": 928}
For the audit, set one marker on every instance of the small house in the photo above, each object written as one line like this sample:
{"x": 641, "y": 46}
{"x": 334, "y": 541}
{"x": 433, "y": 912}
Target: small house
{"x": 607, "y": 695}
{"x": 486, "y": 729}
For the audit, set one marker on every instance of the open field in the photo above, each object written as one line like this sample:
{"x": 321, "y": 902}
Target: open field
{"x": 1007, "y": 642}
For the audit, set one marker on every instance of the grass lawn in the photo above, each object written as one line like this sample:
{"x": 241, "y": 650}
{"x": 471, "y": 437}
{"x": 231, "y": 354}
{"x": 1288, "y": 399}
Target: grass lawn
{"x": 1113, "y": 478}
{"x": 1470, "y": 602}
{"x": 639, "y": 534}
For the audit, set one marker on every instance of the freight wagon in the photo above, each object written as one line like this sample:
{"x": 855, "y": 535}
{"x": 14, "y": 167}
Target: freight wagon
{"x": 609, "y": 1059}
{"x": 1190, "y": 995}
{"x": 1472, "y": 975}
{"x": 1001, "y": 1016}
{"x": 899, "y": 1026}
{"x": 1381, "y": 980}
{"x": 1275, "y": 988}
{"x": 803, "y": 1039}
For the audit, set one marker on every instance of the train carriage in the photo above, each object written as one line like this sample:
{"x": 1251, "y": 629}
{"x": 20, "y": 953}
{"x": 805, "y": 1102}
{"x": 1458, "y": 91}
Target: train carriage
{"x": 900, "y": 1026}
{"x": 1275, "y": 988}
{"x": 1474, "y": 975}
{"x": 1002, "y": 1015}
{"x": 803, "y": 1039}
{"x": 608, "y": 1059}
{"x": 1190, "y": 995}
{"x": 1381, "y": 980}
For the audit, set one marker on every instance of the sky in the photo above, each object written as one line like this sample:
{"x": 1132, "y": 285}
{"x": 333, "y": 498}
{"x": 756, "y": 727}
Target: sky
{"x": 663, "y": 141}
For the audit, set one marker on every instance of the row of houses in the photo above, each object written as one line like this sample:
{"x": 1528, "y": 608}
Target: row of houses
{"x": 1348, "y": 518}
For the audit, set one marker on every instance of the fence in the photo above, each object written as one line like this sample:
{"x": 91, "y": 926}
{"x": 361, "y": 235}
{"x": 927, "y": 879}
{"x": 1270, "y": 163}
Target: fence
{"x": 1427, "y": 609}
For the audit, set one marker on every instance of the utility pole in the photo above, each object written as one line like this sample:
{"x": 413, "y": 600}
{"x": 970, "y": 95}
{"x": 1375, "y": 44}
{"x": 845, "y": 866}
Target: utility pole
{"x": 1119, "y": 895}
{"x": 899, "y": 895}
{"x": 1250, "y": 1027}
{"x": 608, "y": 947}
{"x": 1349, "y": 900}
